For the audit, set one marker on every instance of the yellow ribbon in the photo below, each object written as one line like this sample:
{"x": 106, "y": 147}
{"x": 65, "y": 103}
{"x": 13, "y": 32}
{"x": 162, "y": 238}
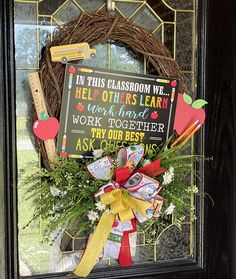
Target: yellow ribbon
{"x": 120, "y": 204}
{"x": 95, "y": 245}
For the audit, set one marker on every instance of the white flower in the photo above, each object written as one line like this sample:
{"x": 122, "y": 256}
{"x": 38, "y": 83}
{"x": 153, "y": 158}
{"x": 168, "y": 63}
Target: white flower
{"x": 97, "y": 153}
{"x": 92, "y": 215}
{"x": 100, "y": 206}
{"x": 170, "y": 209}
{"x": 171, "y": 170}
{"x": 167, "y": 178}
{"x": 146, "y": 162}
{"x": 55, "y": 192}
{"x": 192, "y": 189}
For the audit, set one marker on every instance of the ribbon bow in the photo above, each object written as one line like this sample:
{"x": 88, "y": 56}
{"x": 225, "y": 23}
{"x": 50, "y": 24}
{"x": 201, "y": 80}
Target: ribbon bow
{"x": 132, "y": 195}
{"x": 123, "y": 205}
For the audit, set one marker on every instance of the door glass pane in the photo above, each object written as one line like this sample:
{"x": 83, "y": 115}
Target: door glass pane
{"x": 26, "y": 54}
{"x": 67, "y": 12}
{"x": 173, "y": 22}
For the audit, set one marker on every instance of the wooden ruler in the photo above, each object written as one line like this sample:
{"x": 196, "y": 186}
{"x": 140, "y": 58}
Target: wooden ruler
{"x": 40, "y": 106}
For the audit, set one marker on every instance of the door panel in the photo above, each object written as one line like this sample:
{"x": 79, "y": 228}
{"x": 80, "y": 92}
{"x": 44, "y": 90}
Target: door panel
{"x": 34, "y": 25}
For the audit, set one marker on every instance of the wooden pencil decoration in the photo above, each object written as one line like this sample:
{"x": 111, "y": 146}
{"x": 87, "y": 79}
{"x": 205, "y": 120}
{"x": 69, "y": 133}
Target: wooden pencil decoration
{"x": 41, "y": 109}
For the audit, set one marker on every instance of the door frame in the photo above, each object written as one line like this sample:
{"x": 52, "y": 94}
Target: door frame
{"x": 203, "y": 267}
{"x": 8, "y": 160}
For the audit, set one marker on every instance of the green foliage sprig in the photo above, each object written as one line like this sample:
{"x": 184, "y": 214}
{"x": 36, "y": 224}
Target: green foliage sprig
{"x": 66, "y": 193}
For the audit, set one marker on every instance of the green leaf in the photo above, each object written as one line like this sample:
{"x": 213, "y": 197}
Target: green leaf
{"x": 43, "y": 115}
{"x": 188, "y": 99}
{"x": 199, "y": 103}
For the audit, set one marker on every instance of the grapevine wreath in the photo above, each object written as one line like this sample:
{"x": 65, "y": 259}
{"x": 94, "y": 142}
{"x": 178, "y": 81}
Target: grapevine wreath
{"x": 69, "y": 192}
{"x": 97, "y": 28}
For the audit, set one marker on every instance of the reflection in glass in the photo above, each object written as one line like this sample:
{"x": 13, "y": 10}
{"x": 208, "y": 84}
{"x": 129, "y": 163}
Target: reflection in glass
{"x": 45, "y": 31}
{"x": 165, "y": 12}
{"x": 158, "y": 33}
{"x": 26, "y": 35}
{"x": 31, "y": 251}
{"x": 124, "y": 60}
{"x": 174, "y": 243}
{"x": 23, "y": 96}
{"x": 25, "y": 13}
{"x": 145, "y": 18}
{"x": 67, "y": 12}
{"x": 184, "y": 39}
{"x": 188, "y": 80}
{"x": 168, "y": 36}
{"x": 181, "y": 5}
{"x": 91, "y": 5}
{"x": 127, "y": 9}
{"x": 48, "y": 7}
{"x": 101, "y": 58}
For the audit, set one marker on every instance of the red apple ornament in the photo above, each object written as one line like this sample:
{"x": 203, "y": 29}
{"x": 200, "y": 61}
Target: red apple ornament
{"x": 80, "y": 107}
{"x": 64, "y": 154}
{"x": 187, "y": 112}
{"x": 71, "y": 70}
{"x": 46, "y": 127}
{"x": 154, "y": 115}
{"x": 173, "y": 83}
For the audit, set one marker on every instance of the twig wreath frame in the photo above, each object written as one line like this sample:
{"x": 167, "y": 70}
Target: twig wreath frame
{"x": 97, "y": 28}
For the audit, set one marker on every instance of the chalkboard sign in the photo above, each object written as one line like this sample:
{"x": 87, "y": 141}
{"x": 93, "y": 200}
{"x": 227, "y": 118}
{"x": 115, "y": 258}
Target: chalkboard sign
{"x": 101, "y": 107}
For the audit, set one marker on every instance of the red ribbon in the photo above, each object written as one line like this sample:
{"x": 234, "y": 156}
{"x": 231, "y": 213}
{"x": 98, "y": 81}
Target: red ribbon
{"x": 121, "y": 175}
{"x": 124, "y": 257}
{"x": 153, "y": 169}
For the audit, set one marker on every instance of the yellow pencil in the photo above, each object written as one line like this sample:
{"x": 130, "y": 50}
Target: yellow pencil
{"x": 191, "y": 134}
{"x": 163, "y": 80}
{"x": 84, "y": 70}
{"x": 184, "y": 133}
{"x": 76, "y": 156}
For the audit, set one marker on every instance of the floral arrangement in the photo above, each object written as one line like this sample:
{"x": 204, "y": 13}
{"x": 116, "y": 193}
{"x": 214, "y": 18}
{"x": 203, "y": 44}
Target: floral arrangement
{"x": 119, "y": 191}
